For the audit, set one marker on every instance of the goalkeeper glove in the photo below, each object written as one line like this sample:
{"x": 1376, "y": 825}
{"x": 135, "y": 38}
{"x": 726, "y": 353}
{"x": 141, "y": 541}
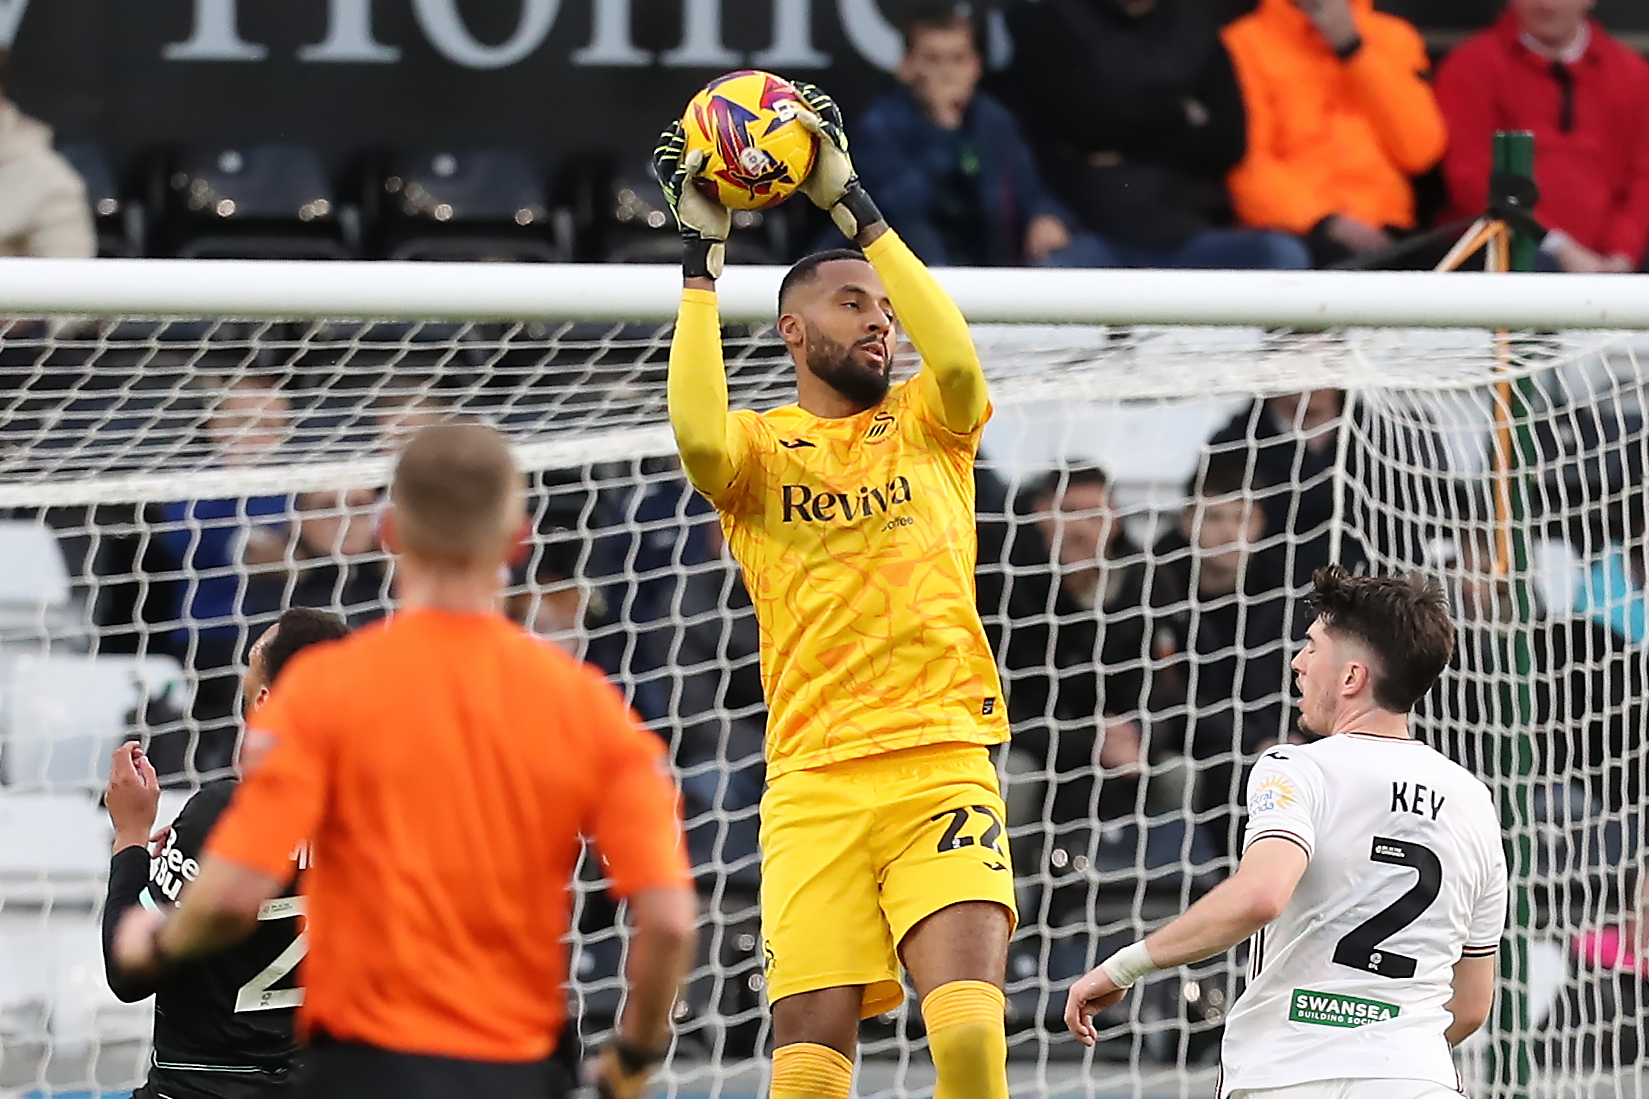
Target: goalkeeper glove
{"x": 704, "y": 223}
{"x": 623, "y": 1068}
{"x": 833, "y": 185}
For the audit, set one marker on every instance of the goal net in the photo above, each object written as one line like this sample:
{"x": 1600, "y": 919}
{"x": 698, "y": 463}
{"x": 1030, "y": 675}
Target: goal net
{"x": 187, "y": 449}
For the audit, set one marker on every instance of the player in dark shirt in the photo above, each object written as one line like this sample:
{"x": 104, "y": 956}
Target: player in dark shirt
{"x": 223, "y": 1026}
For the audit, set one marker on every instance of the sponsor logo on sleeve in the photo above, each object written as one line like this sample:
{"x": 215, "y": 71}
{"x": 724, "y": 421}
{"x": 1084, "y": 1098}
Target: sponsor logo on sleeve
{"x": 1329, "y": 1009}
{"x": 1272, "y": 793}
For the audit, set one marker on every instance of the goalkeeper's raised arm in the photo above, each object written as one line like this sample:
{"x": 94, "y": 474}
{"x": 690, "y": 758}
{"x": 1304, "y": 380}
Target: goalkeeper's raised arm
{"x": 697, "y": 383}
{"x": 929, "y": 316}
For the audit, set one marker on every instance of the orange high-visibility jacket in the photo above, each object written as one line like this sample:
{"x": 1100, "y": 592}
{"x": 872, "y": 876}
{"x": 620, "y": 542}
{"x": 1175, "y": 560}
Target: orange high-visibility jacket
{"x": 1327, "y": 136}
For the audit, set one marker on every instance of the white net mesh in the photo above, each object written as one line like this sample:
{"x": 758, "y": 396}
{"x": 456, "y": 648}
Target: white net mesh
{"x": 171, "y": 485}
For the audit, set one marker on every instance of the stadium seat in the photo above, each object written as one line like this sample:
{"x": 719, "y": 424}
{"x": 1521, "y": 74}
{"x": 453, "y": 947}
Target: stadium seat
{"x": 34, "y": 584}
{"x": 62, "y": 715}
{"x": 120, "y": 224}
{"x": 251, "y": 202}
{"x": 450, "y": 204}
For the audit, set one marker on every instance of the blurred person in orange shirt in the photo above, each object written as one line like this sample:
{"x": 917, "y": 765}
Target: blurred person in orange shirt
{"x": 1340, "y": 117}
{"x": 446, "y": 805}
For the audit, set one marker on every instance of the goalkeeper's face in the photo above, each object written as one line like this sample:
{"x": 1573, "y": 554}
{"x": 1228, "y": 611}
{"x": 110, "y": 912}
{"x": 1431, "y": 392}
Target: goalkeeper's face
{"x": 840, "y": 329}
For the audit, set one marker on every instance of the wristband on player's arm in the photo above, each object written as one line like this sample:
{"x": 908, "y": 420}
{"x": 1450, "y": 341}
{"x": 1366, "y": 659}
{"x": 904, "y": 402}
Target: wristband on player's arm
{"x": 1128, "y": 965}
{"x": 633, "y": 1063}
{"x": 702, "y": 258}
{"x": 855, "y": 212}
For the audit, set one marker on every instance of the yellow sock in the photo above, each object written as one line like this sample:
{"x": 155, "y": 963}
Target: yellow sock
{"x": 805, "y": 1070}
{"x": 968, "y": 1040}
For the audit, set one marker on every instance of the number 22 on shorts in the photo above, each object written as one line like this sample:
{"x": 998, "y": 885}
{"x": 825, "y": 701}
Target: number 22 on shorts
{"x": 960, "y": 827}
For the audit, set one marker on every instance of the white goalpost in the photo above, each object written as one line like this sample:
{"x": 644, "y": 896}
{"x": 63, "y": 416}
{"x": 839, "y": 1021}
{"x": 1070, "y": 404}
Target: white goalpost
{"x": 188, "y": 447}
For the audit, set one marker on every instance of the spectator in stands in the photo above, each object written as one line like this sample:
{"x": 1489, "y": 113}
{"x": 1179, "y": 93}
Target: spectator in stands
{"x": 43, "y": 207}
{"x": 1223, "y": 608}
{"x": 1290, "y": 443}
{"x": 947, "y": 162}
{"x": 1135, "y": 111}
{"x": 203, "y": 541}
{"x": 335, "y": 562}
{"x": 550, "y": 600}
{"x": 1545, "y": 67}
{"x": 250, "y": 419}
{"x": 1079, "y": 637}
{"x": 1339, "y": 118}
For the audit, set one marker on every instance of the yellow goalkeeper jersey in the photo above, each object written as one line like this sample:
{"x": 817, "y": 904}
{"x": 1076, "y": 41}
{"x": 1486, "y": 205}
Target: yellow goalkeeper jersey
{"x": 858, "y": 543}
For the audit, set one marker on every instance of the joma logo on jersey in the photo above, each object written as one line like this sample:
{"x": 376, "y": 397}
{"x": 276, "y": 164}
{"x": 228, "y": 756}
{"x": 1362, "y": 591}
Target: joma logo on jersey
{"x": 880, "y": 425}
{"x": 801, "y": 502}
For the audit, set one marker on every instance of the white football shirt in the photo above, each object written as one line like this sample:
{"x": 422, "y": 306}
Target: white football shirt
{"x": 1406, "y": 876}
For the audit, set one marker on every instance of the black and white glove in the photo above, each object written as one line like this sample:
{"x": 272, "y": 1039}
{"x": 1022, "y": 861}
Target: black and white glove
{"x": 833, "y": 185}
{"x": 704, "y": 222}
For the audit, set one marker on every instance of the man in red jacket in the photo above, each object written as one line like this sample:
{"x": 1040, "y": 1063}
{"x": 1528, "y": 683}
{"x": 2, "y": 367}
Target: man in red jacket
{"x": 1547, "y": 67}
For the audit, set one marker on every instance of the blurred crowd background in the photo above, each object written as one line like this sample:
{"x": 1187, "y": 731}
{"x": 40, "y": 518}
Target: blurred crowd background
{"x": 1097, "y": 133}
{"x": 1145, "y": 648}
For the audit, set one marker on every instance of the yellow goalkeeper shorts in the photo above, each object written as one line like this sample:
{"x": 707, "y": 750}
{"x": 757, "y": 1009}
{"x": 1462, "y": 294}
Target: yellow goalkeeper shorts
{"x": 855, "y": 854}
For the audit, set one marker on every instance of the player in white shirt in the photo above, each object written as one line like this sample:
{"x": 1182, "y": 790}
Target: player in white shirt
{"x": 1372, "y": 879}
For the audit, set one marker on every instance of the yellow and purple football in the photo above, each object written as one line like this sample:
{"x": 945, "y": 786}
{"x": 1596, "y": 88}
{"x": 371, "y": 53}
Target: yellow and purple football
{"x": 759, "y": 151}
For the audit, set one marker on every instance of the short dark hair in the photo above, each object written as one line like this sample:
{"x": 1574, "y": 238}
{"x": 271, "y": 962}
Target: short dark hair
{"x": 1055, "y": 482}
{"x": 296, "y": 630}
{"x": 1220, "y": 473}
{"x": 1404, "y": 620}
{"x": 803, "y": 270}
{"x": 936, "y": 17}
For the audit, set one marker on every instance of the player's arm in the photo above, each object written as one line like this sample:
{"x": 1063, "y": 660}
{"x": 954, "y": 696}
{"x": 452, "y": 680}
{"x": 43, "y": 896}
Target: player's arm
{"x": 636, "y": 827}
{"x": 132, "y": 799}
{"x": 932, "y": 320}
{"x": 1284, "y": 792}
{"x": 697, "y": 382}
{"x": 1230, "y": 913}
{"x": 1474, "y": 973}
{"x": 248, "y": 854}
{"x": 1473, "y": 997}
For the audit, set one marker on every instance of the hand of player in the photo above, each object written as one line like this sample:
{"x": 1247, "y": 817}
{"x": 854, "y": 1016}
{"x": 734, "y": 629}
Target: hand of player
{"x": 704, "y": 222}
{"x": 618, "y": 1074}
{"x": 1094, "y": 991}
{"x": 132, "y": 796}
{"x": 134, "y": 941}
{"x": 833, "y": 185}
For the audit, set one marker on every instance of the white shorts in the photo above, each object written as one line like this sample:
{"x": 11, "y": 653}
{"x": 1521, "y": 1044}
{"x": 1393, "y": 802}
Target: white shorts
{"x": 1353, "y": 1089}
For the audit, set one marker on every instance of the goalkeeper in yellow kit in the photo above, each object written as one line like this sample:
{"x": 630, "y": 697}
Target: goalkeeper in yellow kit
{"x": 852, "y": 515}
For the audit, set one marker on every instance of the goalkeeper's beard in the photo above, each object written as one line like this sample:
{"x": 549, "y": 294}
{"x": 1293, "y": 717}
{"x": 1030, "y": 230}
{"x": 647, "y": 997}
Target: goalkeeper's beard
{"x": 837, "y": 365}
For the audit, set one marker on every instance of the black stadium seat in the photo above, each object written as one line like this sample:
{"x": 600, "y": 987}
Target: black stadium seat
{"x": 452, "y": 204}
{"x": 249, "y": 202}
{"x": 119, "y": 223}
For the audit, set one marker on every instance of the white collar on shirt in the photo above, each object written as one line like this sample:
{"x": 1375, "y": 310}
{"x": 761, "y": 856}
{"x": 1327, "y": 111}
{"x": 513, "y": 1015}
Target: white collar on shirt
{"x": 1573, "y": 52}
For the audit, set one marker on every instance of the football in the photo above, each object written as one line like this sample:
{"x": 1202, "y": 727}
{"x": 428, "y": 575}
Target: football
{"x": 759, "y": 151}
